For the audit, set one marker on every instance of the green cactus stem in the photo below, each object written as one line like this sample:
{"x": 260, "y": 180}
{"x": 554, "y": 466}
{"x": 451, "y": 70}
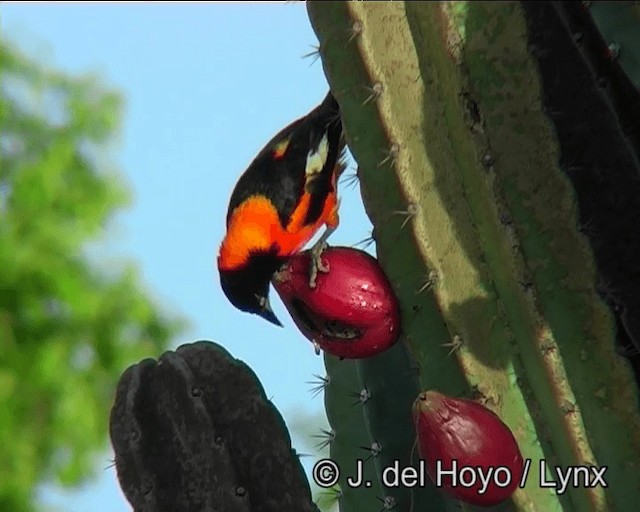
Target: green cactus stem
{"x": 461, "y": 172}
{"x": 368, "y": 405}
{"x": 349, "y": 440}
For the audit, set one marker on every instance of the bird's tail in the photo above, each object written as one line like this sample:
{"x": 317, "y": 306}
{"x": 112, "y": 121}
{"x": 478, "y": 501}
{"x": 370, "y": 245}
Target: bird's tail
{"x": 330, "y": 111}
{"x": 330, "y": 103}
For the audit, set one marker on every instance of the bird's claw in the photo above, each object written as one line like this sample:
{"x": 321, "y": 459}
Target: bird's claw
{"x": 317, "y": 265}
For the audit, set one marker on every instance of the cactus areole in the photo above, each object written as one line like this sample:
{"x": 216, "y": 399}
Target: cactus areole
{"x": 352, "y": 311}
{"x": 469, "y": 452}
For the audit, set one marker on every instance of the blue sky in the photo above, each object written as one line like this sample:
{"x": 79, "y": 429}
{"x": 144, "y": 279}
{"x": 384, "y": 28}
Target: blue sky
{"x": 205, "y": 85}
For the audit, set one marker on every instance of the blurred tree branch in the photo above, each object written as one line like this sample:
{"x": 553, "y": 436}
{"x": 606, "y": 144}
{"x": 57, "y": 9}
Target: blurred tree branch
{"x": 68, "y": 328}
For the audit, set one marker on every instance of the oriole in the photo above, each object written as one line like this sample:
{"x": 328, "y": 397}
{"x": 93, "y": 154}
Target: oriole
{"x": 288, "y": 192}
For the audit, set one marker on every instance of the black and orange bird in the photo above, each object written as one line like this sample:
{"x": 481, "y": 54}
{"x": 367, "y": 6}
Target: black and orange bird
{"x": 288, "y": 192}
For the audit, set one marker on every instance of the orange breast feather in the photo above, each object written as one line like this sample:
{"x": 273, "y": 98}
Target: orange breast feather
{"x": 255, "y": 225}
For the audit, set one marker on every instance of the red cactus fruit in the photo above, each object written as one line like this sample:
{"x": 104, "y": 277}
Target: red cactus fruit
{"x": 468, "y": 451}
{"x": 352, "y": 312}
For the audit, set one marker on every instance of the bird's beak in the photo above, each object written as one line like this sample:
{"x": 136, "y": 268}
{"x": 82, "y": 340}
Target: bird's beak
{"x": 267, "y": 314}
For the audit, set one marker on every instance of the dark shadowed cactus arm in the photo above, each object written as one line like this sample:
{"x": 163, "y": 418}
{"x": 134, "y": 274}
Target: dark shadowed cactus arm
{"x": 194, "y": 432}
{"x": 464, "y": 177}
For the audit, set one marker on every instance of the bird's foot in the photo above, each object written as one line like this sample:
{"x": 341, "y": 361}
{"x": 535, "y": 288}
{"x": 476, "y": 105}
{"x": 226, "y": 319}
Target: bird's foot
{"x": 317, "y": 265}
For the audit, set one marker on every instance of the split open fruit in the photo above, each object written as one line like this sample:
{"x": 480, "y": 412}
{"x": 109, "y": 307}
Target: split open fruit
{"x": 352, "y": 312}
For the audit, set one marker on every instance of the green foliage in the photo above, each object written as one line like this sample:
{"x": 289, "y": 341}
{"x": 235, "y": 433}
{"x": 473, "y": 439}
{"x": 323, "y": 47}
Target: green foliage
{"x": 67, "y": 330}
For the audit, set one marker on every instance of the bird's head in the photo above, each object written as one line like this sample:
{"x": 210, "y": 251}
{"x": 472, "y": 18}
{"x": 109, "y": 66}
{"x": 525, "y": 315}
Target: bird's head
{"x": 247, "y": 286}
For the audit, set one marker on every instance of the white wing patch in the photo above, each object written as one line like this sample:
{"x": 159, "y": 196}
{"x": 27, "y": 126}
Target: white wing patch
{"x": 317, "y": 158}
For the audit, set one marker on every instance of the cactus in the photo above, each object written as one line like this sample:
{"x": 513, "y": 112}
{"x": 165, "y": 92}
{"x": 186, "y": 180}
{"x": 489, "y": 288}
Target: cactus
{"x": 469, "y": 122}
{"x": 619, "y": 23}
{"x": 605, "y": 174}
{"x": 368, "y": 405}
{"x": 194, "y": 431}
{"x": 348, "y": 439}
